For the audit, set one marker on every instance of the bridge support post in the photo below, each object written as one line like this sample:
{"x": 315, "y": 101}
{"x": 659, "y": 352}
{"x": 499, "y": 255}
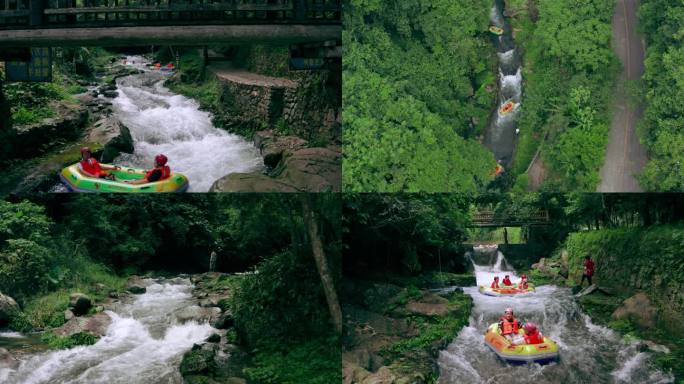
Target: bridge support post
{"x": 300, "y": 9}
{"x": 36, "y": 16}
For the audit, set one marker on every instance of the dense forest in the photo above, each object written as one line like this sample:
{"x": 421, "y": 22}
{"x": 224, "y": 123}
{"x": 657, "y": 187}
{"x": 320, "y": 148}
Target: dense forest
{"x": 661, "y": 129}
{"x": 419, "y": 82}
{"x": 570, "y": 71}
{"x": 418, "y": 89}
{"x": 57, "y": 244}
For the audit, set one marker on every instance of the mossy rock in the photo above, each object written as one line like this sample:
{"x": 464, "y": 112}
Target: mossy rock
{"x": 198, "y": 361}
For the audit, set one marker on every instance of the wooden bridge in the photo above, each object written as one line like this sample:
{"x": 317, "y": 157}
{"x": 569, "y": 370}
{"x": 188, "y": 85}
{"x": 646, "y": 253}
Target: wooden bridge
{"x": 25, "y": 23}
{"x": 491, "y": 219}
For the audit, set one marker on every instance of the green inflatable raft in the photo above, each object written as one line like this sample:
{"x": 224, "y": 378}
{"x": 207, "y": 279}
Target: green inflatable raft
{"x": 75, "y": 181}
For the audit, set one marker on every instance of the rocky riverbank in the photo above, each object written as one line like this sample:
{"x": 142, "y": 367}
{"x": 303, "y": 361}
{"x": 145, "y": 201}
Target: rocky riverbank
{"x": 86, "y": 319}
{"x": 634, "y": 295}
{"x": 395, "y": 330}
{"x": 295, "y": 124}
{"x": 45, "y": 147}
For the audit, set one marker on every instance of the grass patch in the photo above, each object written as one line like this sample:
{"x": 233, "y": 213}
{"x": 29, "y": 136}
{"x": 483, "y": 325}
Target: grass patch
{"x": 316, "y": 361}
{"x": 207, "y": 93}
{"x": 433, "y": 331}
{"x": 77, "y": 274}
{"x": 24, "y": 116}
{"x": 66, "y": 342}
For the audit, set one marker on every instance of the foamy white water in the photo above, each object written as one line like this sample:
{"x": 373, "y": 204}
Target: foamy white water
{"x": 163, "y": 122}
{"x": 589, "y": 353}
{"x": 143, "y": 345}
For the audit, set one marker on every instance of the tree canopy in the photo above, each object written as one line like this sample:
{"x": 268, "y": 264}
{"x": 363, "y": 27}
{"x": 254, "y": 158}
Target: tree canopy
{"x": 416, "y": 92}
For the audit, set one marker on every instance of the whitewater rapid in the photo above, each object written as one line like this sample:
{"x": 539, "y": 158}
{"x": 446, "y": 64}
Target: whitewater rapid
{"x": 143, "y": 345}
{"x": 163, "y": 122}
{"x": 501, "y": 134}
{"x": 589, "y": 353}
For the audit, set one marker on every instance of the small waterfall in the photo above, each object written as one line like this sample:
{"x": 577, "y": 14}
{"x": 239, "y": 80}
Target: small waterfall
{"x": 588, "y": 352}
{"x": 144, "y": 344}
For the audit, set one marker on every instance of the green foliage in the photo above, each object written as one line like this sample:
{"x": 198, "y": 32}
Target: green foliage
{"x": 570, "y": 75}
{"x": 207, "y": 92}
{"x": 66, "y": 342}
{"x": 315, "y": 361}
{"x": 269, "y": 60}
{"x": 283, "y": 301}
{"x": 192, "y": 67}
{"x": 435, "y": 330}
{"x": 23, "y": 220}
{"x": 416, "y": 91}
{"x": 406, "y": 233}
{"x": 23, "y": 268}
{"x": 30, "y": 102}
{"x": 660, "y": 131}
{"x": 579, "y": 151}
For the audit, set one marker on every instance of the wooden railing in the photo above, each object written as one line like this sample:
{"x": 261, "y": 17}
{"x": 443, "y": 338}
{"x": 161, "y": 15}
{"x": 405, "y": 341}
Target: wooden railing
{"x": 16, "y": 14}
{"x": 491, "y": 219}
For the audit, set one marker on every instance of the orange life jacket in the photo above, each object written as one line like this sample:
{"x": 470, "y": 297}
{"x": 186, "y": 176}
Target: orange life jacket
{"x": 165, "y": 173}
{"x": 509, "y": 327}
{"x": 523, "y": 284}
{"x": 495, "y": 285}
{"x": 534, "y": 338}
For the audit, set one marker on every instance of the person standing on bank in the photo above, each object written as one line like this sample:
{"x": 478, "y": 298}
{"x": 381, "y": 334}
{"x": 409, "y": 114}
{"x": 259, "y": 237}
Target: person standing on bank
{"x": 588, "y": 270}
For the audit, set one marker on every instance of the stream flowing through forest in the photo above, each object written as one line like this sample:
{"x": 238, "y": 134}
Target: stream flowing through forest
{"x": 500, "y": 137}
{"x": 163, "y": 122}
{"x": 144, "y": 344}
{"x": 589, "y": 353}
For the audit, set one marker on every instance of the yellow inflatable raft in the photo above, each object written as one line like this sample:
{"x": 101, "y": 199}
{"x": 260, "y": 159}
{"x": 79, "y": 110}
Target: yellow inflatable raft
{"x": 543, "y": 353}
{"x": 496, "y": 30}
{"x": 76, "y": 181}
{"x": 505, "y": 290}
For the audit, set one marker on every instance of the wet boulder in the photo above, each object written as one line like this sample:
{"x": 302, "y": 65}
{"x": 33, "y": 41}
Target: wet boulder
{"x": 224, "y": 321}
{"x": 199, "y": 360}
{"x": 79, "y": 303}
{"x": 274, "y": 148}
{"x": 114, "y": 137}
{"x": 7, "y": 360}
{"x": 429, "y": 305}
{"x": 198, "y": 314}
{"x": 638, "y": 308}
{"x": 214, "y": 338}
{"x": 313, "y": 169}
{"x": 136, "y": 285}
{"x": 304, "y": 170}
{"x": 95, "y": 325}
{"x": 7, "y": 308}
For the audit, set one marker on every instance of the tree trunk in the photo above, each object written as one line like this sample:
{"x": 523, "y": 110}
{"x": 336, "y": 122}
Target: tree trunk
{"x": 321, "y": 262}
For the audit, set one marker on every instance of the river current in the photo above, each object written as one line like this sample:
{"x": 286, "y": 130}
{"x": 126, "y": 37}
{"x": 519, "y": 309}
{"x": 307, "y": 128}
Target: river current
{"x": 143, "y": 345}
{"x": 589, "y": 353}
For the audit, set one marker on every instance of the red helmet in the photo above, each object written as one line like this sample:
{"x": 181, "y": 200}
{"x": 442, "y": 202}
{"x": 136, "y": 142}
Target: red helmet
{"x": 530, "y": 327}
{"x": 161, "y": 159}
{"x": 85, "y": 149}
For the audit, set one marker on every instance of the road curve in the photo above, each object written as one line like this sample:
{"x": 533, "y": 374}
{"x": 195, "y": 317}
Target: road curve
{"x": 625, "y": 156}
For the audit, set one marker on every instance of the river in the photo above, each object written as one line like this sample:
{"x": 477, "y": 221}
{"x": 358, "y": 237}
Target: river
{"x": 143, "y": 345}
{"x": 500, "y": 136}
{"x": 589, "y": 353}
{"x": 163, "y": 122}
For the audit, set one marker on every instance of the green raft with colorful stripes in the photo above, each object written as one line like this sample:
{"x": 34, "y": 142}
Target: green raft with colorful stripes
{"x": 76, "y": 181}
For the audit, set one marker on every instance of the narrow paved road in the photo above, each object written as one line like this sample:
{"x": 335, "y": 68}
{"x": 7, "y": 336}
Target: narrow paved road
{"x": 625, "y": 156}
